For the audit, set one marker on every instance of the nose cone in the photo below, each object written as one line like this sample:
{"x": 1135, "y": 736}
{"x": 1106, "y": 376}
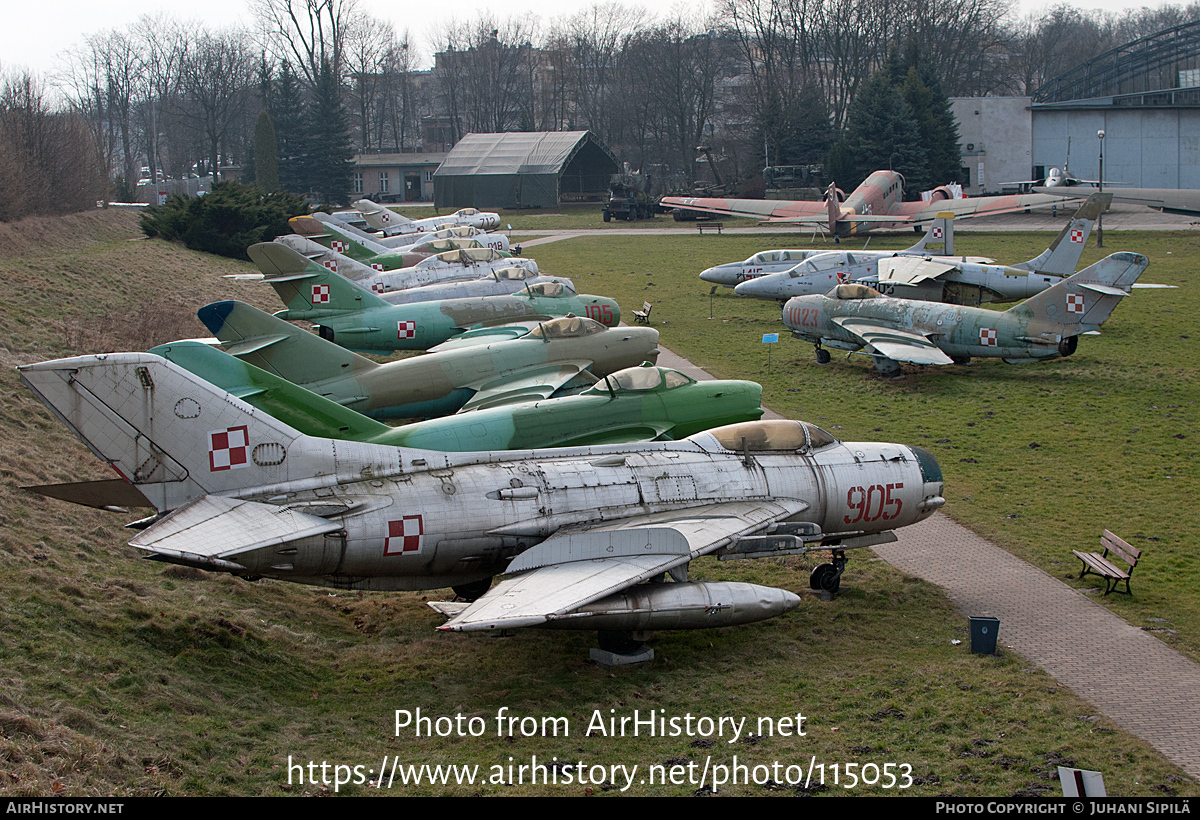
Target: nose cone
{"x": 764, "y": 287}
{"x": 720, "y": 275}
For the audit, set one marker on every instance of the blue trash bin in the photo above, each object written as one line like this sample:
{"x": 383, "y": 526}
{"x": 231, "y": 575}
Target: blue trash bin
{"x": 983, "y": 635}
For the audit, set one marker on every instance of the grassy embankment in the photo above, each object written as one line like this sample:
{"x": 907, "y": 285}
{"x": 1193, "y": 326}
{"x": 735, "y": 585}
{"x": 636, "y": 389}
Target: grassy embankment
{"x": 122, "y": 676}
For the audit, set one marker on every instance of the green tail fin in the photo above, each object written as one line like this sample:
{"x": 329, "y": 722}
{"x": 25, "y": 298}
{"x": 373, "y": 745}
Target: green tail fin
{"x": 293, "y": 405}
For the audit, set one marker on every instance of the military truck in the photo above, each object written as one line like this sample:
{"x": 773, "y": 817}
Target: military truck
{"x": 629, "y": 197}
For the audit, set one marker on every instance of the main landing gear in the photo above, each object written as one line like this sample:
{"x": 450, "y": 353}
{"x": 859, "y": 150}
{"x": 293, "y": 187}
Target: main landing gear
{"x": 822, "y": 355}
{"x": 828, "y": 577}
{"x": 473, "y": 591}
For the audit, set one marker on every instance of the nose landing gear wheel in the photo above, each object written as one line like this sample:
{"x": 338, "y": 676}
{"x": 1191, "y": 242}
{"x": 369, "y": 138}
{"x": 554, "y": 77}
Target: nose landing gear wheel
{"x": 822, "y": 356}
{"x": 825, "y": 577}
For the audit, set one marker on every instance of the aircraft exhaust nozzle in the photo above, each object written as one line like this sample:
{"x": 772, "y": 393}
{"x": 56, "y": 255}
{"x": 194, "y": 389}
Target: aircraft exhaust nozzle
{"x": 700, "y": 605}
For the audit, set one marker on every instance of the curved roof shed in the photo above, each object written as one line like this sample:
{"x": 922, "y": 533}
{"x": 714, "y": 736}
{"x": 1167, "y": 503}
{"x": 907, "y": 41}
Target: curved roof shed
{"x": 528, "y": 169}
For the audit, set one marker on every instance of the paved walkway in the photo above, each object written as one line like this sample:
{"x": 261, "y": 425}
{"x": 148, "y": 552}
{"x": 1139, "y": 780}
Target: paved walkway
{"x": 1140, "y": 683}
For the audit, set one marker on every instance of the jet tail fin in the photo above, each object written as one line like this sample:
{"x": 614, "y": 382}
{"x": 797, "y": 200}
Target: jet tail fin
{"x": 1087, "y": 299}
{"x": 940, "y": 232}
{"x": 172, "y": 435}
{"x": 302, "y": 409}
{"x": 279, "y": 347}
{"x": 379, "y": 217}
{"x": 307, "y": 288}
{"x": 1062, "y": 257}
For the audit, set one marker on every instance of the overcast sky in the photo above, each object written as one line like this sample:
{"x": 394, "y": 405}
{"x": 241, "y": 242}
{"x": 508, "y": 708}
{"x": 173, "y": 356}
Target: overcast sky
{"x": 36, "y": 35}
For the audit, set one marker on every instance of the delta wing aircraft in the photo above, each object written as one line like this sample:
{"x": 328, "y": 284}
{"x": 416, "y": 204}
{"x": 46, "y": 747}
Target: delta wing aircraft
{"x": 391, "y": 223}
{"x": 586, "y": 536}
{"x": 359, "y": 319}
{"x": 644, "y": 403}
{"x": 1046, "y": 326}
{"x": 938, "y": 241}
{"x": 877, "y": 203}
{"x": 482, "y": 369}
{"x": 953, "y": 280}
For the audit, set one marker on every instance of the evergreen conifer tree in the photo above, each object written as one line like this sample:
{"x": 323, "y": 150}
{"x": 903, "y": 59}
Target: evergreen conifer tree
{"x": 330, "y": 151}
{"x": 291, "y": 131}
{"x": 266, "y": 152}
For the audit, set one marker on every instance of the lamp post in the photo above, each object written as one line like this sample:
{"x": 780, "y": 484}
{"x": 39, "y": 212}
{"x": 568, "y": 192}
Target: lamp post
{"x": 1100, "y": 217}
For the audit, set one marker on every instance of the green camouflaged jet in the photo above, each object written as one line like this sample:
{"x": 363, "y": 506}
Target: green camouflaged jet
{"x": 481, "y": 368}
{"x": 645, "y": 403}
{"x": 358, "y": 319}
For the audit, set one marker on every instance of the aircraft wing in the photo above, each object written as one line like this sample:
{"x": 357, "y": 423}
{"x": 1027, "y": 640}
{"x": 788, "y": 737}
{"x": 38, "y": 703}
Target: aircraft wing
{"x": 579, "y": 565}
{"x": 769, "y": 209}
{"x": 1169, "y": 200}
{"x": 993, "y": 205}
{"x": 213, "y": 530}
{"x": 526, "y": 385}
{"x": 911, "y": 270}
{"x": 898, "y": 345}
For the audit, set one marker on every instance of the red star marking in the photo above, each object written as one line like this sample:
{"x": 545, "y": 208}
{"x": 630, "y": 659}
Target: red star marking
{"x": 228, "y": 449}
{"x": 404, "y": 536}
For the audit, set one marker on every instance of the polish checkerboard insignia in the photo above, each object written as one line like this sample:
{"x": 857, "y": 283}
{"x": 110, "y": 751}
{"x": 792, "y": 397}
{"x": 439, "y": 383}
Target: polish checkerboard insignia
{"x": 936, "y": 233}
{"x": 228, "y": 449}
{"x": 406, "y": 330}
{"x": 1074, "y": 303}
{"x": 405, "y": 536}
{"x": 378, "y": 286}
{"x": 987, "y": 336}
{"x": 385, "y": 217}
{"x": 338, "y": 245}
{"x": 377, "y": 266}
{"x": 331, "y": 264}
{"x": 1076, "y": 235}
{"x": 320, "y": 294}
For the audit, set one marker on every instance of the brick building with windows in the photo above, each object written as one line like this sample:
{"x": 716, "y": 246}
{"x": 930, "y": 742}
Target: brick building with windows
{"x": 395, "y": 177}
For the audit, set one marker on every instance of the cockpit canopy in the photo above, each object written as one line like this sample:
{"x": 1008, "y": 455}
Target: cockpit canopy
{"x": 555, "y": 288}
{"x": 566, "y": 327}
{"x": 854, "y": 291}
{"x": 467, "y": 255}
{"x": 779, "y": 434}
{"x": 452, "y": 243}
{"x": 773, "y": 257}
{"x": 640, "y": 379}
{"x": 466, "y": 212}
{"x": 513, "y": 274}
{"x": 823, "y": 262}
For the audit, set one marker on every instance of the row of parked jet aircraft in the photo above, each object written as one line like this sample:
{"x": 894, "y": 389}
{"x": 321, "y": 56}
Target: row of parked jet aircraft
{"x": 264, "y": 453}
{"x": 885, "y": 303}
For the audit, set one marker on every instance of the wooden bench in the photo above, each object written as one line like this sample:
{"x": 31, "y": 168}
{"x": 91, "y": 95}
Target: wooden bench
{"x": 710, "y": 226}
{"x": 643, "y": 315}
{"x": 1102, "y": 566}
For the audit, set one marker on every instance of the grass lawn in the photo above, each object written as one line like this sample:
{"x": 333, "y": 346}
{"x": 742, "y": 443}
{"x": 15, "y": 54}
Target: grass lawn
{"x": 1039, "y": 457}
{"x": 124, "y": 676}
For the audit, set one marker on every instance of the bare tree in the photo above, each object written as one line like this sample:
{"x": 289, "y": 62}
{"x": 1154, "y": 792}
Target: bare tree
{"x": 218, "y": 71}
{"x": 306, "y": 32}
